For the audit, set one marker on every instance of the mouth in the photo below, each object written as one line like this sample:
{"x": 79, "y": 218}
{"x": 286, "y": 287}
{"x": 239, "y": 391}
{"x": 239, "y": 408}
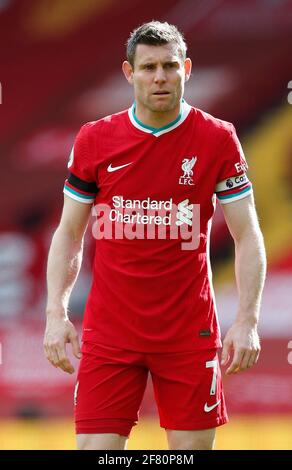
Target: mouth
{"x": 161, "y": 93}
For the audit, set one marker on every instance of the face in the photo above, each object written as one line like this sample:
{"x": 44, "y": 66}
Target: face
{"x": 158, "y": 76}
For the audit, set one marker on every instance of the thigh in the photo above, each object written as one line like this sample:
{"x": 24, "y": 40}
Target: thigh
{"x": 188, "y": 390}
{"x": 109, "y": 390}
{"x": 202, "y": 439}
{"x": 106, "y": 441}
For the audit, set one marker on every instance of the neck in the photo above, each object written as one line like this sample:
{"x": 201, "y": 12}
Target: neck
{"x": 156, "y": 119}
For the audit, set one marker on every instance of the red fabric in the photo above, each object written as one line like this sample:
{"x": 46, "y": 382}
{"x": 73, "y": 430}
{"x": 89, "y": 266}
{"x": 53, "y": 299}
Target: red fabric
{"x": 111, "y": 384}
{"x": 150, "y": 294}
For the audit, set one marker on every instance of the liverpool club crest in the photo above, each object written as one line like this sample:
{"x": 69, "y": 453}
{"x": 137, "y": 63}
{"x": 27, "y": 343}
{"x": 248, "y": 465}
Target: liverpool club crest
{"x": 187, "y": 168}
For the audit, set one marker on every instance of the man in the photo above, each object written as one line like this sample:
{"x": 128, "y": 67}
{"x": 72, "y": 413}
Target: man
{"x": 152, "y": 172}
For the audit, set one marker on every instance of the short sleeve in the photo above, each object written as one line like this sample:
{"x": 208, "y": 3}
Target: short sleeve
{"x": 81, "y": 182}
{"x": 232, "y": 182}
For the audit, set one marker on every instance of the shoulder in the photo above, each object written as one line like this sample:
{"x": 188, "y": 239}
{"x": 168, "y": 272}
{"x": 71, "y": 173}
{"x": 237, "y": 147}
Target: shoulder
{"x": 104, "y": 124}
{"x": 212, "y": 125}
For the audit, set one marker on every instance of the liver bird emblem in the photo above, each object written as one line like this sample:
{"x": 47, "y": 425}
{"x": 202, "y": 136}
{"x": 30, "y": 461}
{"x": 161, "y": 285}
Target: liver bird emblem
{"x": 187, "y": 166}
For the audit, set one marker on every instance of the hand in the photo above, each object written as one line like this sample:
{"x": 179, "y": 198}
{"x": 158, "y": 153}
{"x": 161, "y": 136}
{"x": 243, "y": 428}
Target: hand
{"x": 243, "y": 339}
{"x": 60, "y": 331}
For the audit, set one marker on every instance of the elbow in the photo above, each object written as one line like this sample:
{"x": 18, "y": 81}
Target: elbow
{"x": 71, "y": 234}
{"x": 251, "y": 238}
{"x": 249, "y": 233}
{"x": 251, "y": 245}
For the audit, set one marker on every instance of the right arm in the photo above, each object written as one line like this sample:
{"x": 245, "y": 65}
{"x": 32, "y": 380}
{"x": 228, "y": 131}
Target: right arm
{"x": 64, "y": 262}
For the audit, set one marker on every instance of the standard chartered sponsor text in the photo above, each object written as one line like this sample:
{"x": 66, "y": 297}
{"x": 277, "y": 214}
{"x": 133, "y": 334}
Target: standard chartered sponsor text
{"x": 148, "y": 203}
{"x": 148, "y": 218}
{"x": 136, "y": 215}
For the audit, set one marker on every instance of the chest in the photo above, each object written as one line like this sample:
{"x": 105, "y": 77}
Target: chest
{"x": 176, "y": 166}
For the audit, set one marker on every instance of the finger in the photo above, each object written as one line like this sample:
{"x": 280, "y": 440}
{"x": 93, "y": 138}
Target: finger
{"x": 76, "y": 346}
{"x": 253, "y": 359}
{"x": 47, "y": 354}
{"x": 258, "y": 352}
{"x": 225, "y": 353}
{"x": 234, "y": 366}
{"x": 45, "y": 351}
{"x": 64, "y": 362}
{"x": 246, "y": 358}
{"x": 52, "y": 355}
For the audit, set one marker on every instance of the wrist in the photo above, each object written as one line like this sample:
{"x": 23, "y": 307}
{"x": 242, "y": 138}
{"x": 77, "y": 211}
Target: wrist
{"x": 247, "y": 319}
{"x": 56, "y": 311}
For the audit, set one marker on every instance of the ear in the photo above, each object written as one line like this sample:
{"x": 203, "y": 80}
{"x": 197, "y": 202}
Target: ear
{"x": 188, "y": 68}
{"x": 128, "y": 71}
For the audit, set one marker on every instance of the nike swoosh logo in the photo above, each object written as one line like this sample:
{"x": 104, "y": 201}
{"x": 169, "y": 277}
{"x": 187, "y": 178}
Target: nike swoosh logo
{"x": 111, "y": 168}
{"x": 210, "y": 408}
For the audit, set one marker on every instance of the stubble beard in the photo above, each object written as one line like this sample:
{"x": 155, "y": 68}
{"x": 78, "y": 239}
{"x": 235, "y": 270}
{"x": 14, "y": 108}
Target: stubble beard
{"x": 161, "y": 107}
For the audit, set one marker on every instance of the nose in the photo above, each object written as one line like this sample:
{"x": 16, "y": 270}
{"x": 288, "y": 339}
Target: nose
{"x": 160, "y": 76}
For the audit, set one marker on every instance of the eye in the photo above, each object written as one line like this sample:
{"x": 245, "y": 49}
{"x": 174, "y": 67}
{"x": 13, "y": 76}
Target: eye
{"x": 149, "y": 67}
{"x": 170, "y": 65}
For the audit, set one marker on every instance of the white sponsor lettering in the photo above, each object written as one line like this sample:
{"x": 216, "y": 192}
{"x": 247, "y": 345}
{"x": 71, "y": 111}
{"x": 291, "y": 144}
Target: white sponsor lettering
{"x": 120, "y": 202}
{"x": 138, "y": 217}
{"x": 240, "y": 167}
{"x": 148, "y": 219}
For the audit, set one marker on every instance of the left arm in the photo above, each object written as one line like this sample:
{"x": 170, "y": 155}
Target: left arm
{"x": 250, "y": 272}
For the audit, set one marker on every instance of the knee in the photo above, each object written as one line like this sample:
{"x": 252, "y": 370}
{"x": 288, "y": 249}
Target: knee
{"x": 202, "y": 444}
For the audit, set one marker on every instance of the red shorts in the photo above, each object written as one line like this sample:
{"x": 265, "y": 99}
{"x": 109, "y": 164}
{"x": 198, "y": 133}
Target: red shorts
{"x": 111, "y": 384}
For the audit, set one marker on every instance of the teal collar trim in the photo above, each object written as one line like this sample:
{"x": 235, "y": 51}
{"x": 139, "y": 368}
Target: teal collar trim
{"x": 184, "y": 111}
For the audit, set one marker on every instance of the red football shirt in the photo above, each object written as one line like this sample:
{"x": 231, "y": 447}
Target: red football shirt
{"x": 152, "y": 289}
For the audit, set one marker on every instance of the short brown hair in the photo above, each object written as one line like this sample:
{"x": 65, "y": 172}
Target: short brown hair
{"x": 155, "y": 33}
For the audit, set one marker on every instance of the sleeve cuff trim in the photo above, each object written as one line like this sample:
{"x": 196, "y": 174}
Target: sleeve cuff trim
{"x": 236, "y": 196}
{"x": 78, "y": 196}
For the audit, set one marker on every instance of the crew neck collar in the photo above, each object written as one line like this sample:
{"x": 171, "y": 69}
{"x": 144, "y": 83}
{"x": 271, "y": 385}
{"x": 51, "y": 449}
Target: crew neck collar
{"x": 183, "y": 114}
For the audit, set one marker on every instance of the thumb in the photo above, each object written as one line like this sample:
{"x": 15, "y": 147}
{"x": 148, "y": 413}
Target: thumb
{"x": 225, "y": 353}
{"x": 76, "y": 347}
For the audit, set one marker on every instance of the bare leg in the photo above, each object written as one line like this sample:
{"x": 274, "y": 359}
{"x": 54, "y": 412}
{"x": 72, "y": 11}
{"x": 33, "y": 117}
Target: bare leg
{"x": 203, "y": 439}
{"x": 106, "y": 441}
